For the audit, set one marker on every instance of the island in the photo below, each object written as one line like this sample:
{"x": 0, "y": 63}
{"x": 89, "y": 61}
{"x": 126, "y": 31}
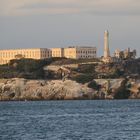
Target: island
{"x": 69, "y": 79}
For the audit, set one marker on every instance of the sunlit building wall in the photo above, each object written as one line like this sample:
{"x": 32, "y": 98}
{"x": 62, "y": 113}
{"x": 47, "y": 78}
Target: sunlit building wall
{"x": 42, "y": 53}
{"x": 57, "y": 52}
{"x": 80, "y": 52}
{"x": 36, "y": 53}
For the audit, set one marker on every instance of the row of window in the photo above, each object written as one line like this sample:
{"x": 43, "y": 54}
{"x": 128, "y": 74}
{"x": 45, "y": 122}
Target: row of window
{"x": 87, "y": 52}
{"x": 81, "y": 52}
{"x": 26, "y": 54}
{"x": 12, "y": 54}
{"x": 45, "y": 56}
{"x": 45, "y": 52}
{"x": 4, "y": 61}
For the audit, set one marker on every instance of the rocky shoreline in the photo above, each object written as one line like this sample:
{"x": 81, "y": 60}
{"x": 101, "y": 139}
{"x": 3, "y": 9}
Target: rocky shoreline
{"x": 23, "y": 89}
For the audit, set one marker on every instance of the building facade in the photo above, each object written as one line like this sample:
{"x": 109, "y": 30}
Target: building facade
{"x": 126, "y": 54}
{"x": 57, "y": 52}
{"x": 42, "y": 53}
{"x": 79, "y": 52}
{"x": 34, "y": 53}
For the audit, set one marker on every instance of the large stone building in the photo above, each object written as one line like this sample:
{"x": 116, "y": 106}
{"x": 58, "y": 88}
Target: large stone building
{"x": 126, "y": 54}
{"x": 34, "y": 53}
{"x": 42, "y": 53}
{"x": 57, "y": 52}
{"x": 77, "y": 52}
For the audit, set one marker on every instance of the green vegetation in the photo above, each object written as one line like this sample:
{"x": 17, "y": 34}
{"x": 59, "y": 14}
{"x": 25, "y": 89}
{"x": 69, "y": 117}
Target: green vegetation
{"x": 94, "y": 85}
{"x": 65, "y": 61}
{"x": 25, "y": 68}
{"x": 85, "y": 73}
{"x": 122, "y": 92}
{"x": 87, "y": 68}
{"x": 83, "y": 78}
{"x": 139, "y": 89}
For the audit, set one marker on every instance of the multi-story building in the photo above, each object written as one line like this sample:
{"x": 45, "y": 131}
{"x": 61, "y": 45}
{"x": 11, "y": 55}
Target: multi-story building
{"x": 42, "y": 53}
{"x": 34, "y": 53}
{"x": 70, "y": 52}
{"x": 125, "y": 54}
{"x": 57, "y": 52}
{"x": 77, "y": 52}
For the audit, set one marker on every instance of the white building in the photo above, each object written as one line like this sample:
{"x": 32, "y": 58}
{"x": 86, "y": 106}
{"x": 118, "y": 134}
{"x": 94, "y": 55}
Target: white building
{"x": 79, "y": 52}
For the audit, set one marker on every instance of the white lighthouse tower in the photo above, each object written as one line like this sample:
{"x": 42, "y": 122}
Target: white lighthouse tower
{"x": 106, "y": 44}
{"x": 106, "y": 57}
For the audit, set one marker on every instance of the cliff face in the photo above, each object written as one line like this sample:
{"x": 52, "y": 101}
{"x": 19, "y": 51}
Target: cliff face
{"x": 134, "y": 88}
{"x": 22, "y": 89}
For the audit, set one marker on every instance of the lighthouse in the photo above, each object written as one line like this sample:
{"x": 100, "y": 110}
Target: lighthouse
{"x": 106, "y": 44}
{"x": 106, "y": 57}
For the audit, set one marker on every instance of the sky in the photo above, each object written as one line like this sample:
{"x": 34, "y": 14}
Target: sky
{"x": 62, "y": 23}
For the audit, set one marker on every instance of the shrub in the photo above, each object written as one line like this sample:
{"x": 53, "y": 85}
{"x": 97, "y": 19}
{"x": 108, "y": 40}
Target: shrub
{"x": 122, "y": 92}
{"x": 94, "y": 85}
{"x": 87, "y": 68}
{"x": 83, "y": 78}
{"x": 25, "y": 68}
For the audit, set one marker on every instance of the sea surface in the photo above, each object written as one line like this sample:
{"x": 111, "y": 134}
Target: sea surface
{"x": 70, "y": 120}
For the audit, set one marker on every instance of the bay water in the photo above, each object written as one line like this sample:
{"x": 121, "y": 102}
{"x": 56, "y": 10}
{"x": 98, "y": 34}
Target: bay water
{"x": 70, "y": 120}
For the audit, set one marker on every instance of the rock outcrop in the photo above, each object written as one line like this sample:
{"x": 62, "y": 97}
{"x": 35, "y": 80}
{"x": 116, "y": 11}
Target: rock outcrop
{"x": 22, "y": 89}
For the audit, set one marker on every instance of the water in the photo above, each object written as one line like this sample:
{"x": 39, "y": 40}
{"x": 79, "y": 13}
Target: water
{"x": 70, "y": 120}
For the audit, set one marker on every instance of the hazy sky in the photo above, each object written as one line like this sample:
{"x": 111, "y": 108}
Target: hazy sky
{"x": 62, "y": 23}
